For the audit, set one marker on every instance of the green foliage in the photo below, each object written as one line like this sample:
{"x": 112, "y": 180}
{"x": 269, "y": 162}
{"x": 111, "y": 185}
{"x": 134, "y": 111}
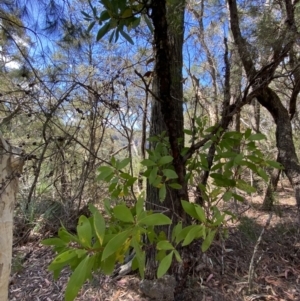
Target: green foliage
{"x": 115, "y": 16}
{"x": 101, "y": 243}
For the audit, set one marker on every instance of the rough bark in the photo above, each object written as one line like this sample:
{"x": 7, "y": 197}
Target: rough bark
{"x": 167, "y": 107}
{"x": 10, "y": 166}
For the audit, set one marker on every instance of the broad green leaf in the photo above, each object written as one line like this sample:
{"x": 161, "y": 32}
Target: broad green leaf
{"x": 274, "y": 164}
{"x": 242, "y": 185}
{"x": 108, "y": 265}
{"x": 127, "y": 13}
{"x": 84, "y": 231}
{"x": 115, "y": 243}
{"x": 189, "y": 208}
{"x": 62, "y": 259}
{"x": 165, "y": 160}
{"x": 153, "y": 175}
{"x": 164, "y": 265}
{"x": 222, "y": 180}
{"x": 227, "y": 196}
{"x": 182, "y": 234}
{"x": 262, "y": 174}
{"x": 125, "y": 176}
{"x": 79, "y": 276}
{"x": 156, "y": 219}
{"x": 99, "y": 226}
{"x": 175, "y": 186}
{"x": 54, "y": 242}
{"x": 66, "y": 236}
{"x": 103, "y": 31}
{"x": 162, "y": 192}
{"x": 238, "y": 158}
{"x": 208, "y": 240}
{"x": 238, "y": 197}
{"x": 170, "y": 174}
{"x": 195, "y": 231}
{"x": 123, "y": 214}
{"x": 123, "y": 163}
{"x": 164, "y": 245}
{"x": 105, "y": 171}
{"x": 177, "y": 255}
{"x": 257, "y": 136}
{"x": 247, "y": 133}
{"x": 201, "y": 214}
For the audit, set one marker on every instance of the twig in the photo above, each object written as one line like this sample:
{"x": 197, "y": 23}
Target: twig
{"x": 252, "y": 265}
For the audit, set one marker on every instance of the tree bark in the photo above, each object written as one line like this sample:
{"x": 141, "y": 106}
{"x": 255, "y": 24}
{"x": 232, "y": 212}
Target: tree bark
{"x": 167, "y": 108}
{"x": 10, "y": 167}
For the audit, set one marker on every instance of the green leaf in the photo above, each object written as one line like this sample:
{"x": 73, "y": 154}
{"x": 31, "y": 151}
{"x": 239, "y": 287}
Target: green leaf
{"x": 84, "y": 231}
{"x": 66, "y": 236}
{"x": 156, "y": 219}
{"x": 92, "y": 24}
{"x": 115, "y": 243}
{"x": 123, "y": 163}
{"x": 195, "y": 231}
{"x": 164, "y": 245}
{"x": 257, "y": 136}
{"x": 54, "y": 242}
{"x": 148, "y": 22}
{"x": 177, "y": 255}
{"x": 242, "y": 185}
{"x": 139, "y": 207}
{"x": 262, "y": 174}
{"x": 247, "y": 133}
{"x": 238, "y": 197}
{"x": 208, "y": 240}
{"x": 164, "y": 265}
{"x": 222, "y": 181}
{"x": 104, "y": 16}
{"x": 183, "y": 233}
{"x": 108, "y": 265}
{"x": 99, "y": 226}
{"x": 127, "y": 13}
{"x": 274, "y": 164}
{"x": 175, "y": 186}
{"x": 201, "y": 213}
{"x": 227, "y": 196}
{"x": 148, "y": 162}
{"x": 126, "y": 36}
{"x": 123, "y": 214}
{"x": 238, "y": 158}
{"x": 165, "y": 160}
{"x": 189, "y": 208}
{"x": 153, "y": 175}
{"x": 162, "y": 192}
{"x": 62, "y": 259}
{"x": 103, "y": 31}
{"x": 170, "y": 174}
{"x": 176, "y": 230}
{"x": 79, "y": 276}
{"x": 105, "y": 171}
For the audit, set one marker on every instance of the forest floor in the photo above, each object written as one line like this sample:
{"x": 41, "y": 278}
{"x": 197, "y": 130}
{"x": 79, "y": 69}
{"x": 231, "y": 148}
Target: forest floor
{"x": 222, "y": 273}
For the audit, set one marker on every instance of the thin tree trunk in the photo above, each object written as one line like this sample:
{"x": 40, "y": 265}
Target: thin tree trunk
{"x": 10, "y": 166}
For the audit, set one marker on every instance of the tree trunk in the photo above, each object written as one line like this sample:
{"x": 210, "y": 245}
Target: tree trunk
{"x": 10, "y": 166}
{"x": 167, "y": 107}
